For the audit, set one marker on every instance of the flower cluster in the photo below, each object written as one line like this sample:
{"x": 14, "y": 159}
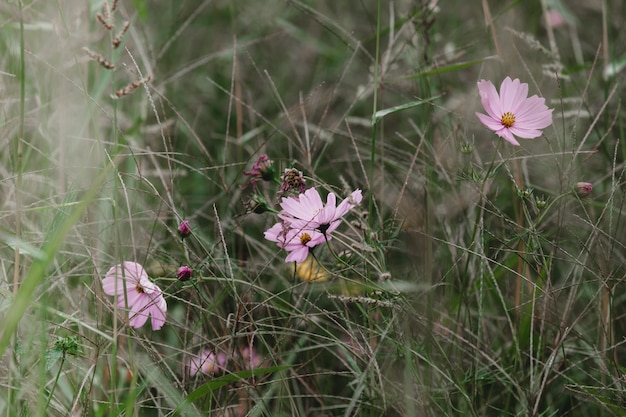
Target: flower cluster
{"x": 130, "y": 283}
{"x": 305, "y": 222}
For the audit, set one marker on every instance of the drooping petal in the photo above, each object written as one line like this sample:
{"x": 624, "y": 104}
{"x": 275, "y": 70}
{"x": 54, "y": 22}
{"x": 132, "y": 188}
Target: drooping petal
{"x": 525, "y": 133}
{"x": 505, "y": 133}
{"x": 138, "y": 313}
{"x": 276, "y": 233}
{"x": 131, "y": 298}
{"x": 157, "y": 311}
{"x": 113, "y": 286}
{"x": 298, "y": 255}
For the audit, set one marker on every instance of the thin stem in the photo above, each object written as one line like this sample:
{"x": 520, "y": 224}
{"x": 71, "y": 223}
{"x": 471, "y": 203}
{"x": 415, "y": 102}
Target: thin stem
{"x": 18, "y": 153}
{"x": 56, "y": 380}
{"x": 480, "y": 204}
{"x": 374, "y": 122}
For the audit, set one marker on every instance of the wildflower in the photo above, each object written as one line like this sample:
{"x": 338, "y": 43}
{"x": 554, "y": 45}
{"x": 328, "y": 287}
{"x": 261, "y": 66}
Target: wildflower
{"x": 298, "y": 242}
{"x": 129, "y": 281}
{"x": 207, "y": 362}
{"x": 184, "y": 273}
{"x": 555, "y": 18}
{"x": 250, "y": 357}
{"x": 263, "y": 169}
{"x": 292, "y": 180}
{"x": 307, "y": 211}
{"x": 184, "y": 229}
{"x": 583, "y": 189}
{"x": 513, "y": 112}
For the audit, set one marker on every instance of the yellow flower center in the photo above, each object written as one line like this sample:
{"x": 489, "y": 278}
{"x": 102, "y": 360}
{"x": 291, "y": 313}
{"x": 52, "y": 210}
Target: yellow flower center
{"x": 305, "y": 238}
{"x": 139, "y": 289}
{"x": 508, "y": 119}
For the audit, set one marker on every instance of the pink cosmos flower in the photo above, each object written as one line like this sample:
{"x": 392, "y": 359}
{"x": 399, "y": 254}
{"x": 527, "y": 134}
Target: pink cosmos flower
{"x": 513, "y": 112}
{"x": 307, "y": 211}
{"x": 298, "y": 242}
{"x": 129, "y": 281}
{"x": 207, "y": 362}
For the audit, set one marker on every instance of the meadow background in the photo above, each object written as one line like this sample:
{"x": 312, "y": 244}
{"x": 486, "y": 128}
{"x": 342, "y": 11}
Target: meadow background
{"x": 473, "y": 279}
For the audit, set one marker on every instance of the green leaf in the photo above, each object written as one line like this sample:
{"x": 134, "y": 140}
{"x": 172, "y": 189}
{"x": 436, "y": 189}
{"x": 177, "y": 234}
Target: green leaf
{"x": 384, "y": 112}
{"x": 451, "y": 68}
{"x": 52, "y": 357}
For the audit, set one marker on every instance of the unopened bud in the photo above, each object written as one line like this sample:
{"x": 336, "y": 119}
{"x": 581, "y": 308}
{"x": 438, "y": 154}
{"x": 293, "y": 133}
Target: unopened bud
{"x": 184, "y": 273}
{"x": 184, "y": 229}
{"x": 583, "y": 189}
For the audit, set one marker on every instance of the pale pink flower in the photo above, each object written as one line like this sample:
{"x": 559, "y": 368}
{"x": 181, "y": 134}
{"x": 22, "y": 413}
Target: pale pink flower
{"x": 207, "y": 362}
{"x": 555, "y": 18}
{"x": 130, "y": 282}
{"x": 298, "y": 242}
{"x": 251, "y": 358}
{"x": 512, "y": 112}
{"x": 307, "y": 211}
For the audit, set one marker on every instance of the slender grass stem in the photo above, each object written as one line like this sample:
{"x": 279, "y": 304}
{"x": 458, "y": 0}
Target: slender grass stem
{"x": 56, "y": 380}
{"x": 374, "y": 121}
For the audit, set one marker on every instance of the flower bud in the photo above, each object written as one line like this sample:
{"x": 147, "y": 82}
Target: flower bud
{"x": 467, "y": 148}
{"x": 541, "y": 203}
{"x": 257, "y": 204}
{"x": 263, "y": 169}
{"x": 583, "y": 189}
{"x": 524, "y": 193}
{"x": 184, "y": 229}
{"x": 184, "y": 273}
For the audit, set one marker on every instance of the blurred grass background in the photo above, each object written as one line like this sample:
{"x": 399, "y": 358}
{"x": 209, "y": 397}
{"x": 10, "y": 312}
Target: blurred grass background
{"x": 89, "y": 180}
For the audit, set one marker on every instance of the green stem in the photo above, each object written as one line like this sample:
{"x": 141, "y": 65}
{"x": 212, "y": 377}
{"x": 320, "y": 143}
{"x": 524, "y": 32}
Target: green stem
{"x": 56, "y": 380}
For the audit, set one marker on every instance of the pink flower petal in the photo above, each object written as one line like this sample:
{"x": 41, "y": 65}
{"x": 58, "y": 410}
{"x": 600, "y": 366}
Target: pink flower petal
{"x": 298, "y": 255}
{"x": 490, "y": 99}
{"x": 138, "y": 312}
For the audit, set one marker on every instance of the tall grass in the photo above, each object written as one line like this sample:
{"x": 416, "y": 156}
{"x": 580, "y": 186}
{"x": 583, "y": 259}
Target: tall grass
{"x": 474, "y": 278}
